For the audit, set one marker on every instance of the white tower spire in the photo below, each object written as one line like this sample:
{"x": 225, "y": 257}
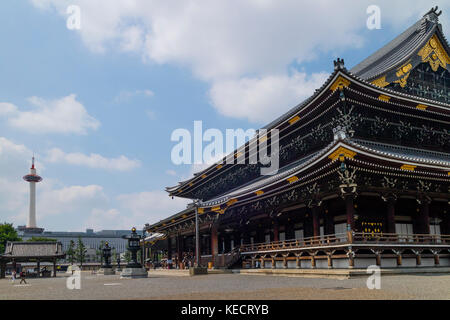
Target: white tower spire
{"x": 32, "y": 178}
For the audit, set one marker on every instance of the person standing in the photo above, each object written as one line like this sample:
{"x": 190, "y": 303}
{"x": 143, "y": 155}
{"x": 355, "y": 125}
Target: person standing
{"x": 13, "y": 276}
{"x": 22, "y": 277}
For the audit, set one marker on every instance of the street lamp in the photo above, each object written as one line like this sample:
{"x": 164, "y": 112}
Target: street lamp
{"x": 143, "y": 247}
{"x": 197, "y": 238}
{"x": 106, "y": 256}
{"x": 106, "y": 267}
{"x": 134, "y": 246}
{"x": 118, "y": 262}
{"x": 134, "y": 268}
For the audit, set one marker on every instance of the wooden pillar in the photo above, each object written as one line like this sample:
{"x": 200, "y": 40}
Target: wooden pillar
{"x": 390, "y": 218}
{"x": 330, "y": 261}
{"x": 436, "y": 258}
{"x": 169, "y": 251}
{"x": 285, "y": 264}
{"x": 316, "y": 221}
{"x": 418, "y": 259}
{"x": 253, "y": 263}
{"x": 214, "y": 244}
{"x": 39, "y": 268}
{"x": 350, "y": 210}
{"x": 313, "y": 261}
{"x": 329, "y": 222}
{"x": 2, "y": 268}
{"x": 178, "y": 249}
{"x": 351, "y": 259}
{"x": 378, "y": 258}
{"x": 275, "y": 232}
{"x": 274, "y": 264}
{"x": 425, "y": 217}
{"x": 262, "y": 263}
{"x": 297, "y": 262}
{"x": 399, "y": 259}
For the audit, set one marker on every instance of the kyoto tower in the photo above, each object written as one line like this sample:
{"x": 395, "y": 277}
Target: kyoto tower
{"x": 32, "y": 178}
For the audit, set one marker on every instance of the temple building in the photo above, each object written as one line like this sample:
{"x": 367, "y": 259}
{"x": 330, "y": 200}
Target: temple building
{"x": 364, "y": 173}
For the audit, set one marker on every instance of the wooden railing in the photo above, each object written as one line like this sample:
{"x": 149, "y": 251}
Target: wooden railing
{"x": 350, "y": 238}
{"x": 296, "y": 243}
{"x": 401, "y": 238}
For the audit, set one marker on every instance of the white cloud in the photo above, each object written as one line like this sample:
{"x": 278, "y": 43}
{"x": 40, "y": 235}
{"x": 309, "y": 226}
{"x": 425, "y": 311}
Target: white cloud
{"x": 132, "y": 39}
{"x": 65, "y": 115}
{"x": 265, "y": 98}
{"x": 70, "y": 200}
{"x": 150, "y": 206}
{"x": 237, "y": 44}
{"x": 93, "y": 160}
{"x": 134, "y": 210}
{"x": 126, "y": 95}
{"x": 7, "y": 108}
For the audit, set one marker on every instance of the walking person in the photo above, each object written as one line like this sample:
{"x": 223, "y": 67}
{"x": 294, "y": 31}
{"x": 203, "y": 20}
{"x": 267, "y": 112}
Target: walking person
{"x": 13, "y": 276}
{"x": 22, "y": 277}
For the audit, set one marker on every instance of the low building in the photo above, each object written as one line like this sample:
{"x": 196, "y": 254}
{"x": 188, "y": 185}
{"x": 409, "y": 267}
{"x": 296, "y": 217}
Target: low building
{"x": 92, "y": 240}
{"x": 26, "y": 252}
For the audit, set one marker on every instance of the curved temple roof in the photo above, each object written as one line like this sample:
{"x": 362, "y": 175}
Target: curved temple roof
{"x": 403, "y": 50}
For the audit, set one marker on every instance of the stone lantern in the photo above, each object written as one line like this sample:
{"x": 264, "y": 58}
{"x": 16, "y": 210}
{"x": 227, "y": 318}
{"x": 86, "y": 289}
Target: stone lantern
{"x": 134, "y": 269}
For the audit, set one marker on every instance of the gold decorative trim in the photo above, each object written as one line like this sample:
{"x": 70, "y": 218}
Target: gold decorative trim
{"x": 294, "y": 120}
{"x": 340, "y": 83}
{"x": 191, "y": 184}
{"x": 259, "y": 192}
{"x": 403, "y": 73}
{"x": 184, "y": 216}
{"x": 218, "y": 210}
{"x": 231, "y": 202}
{"x": 342, "y": 152}
{"x": 384, "y": 98}
{"x": 219, "y": 167}
{"x": 262, "y": 139}
{"x": 381, "y": 82}
{"x": 422, "y": 107}
{"x": 405, "y": 69}
{"x": 408, "y": 167}
{"x": 292, "y": 179}
{"x": 173, "y": 220}
{"x": 434, "y": 53}
{"x": 201, "y": 210}
{"x": 203, "y": 176}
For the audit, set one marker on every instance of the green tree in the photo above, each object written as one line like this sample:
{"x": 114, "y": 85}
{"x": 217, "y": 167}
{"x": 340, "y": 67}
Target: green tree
{"x": 41, "y": 239}
{"x": 80, "y": 252}
{"x": 7, "y": 233}
{"x": 71, "y": 251}
{"x": 127, "y": 256}
{"x": 114, "y": 254}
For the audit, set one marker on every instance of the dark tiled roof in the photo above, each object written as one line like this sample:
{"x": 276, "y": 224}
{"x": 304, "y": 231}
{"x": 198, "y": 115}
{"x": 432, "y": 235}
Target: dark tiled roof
{"x": 401, "y": 49}
{"x": 404, "y": 153}
{"x": 33, "y": 249}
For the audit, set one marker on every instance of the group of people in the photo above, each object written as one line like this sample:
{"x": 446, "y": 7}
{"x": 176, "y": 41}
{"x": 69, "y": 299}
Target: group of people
{"x": 21, "y": 275}
{"x": 188, "y": 260}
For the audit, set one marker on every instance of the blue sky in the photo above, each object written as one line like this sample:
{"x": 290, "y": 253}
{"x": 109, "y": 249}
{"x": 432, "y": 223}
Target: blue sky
{"x": 98, "y": 105}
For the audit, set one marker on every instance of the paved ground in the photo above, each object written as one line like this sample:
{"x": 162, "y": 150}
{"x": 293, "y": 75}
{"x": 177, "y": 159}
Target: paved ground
{"x": 228, "y": 286}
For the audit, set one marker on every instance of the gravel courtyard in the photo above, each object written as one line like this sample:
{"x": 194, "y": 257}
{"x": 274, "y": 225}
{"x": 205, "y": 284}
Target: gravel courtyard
{"x": 228, "y": 286}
